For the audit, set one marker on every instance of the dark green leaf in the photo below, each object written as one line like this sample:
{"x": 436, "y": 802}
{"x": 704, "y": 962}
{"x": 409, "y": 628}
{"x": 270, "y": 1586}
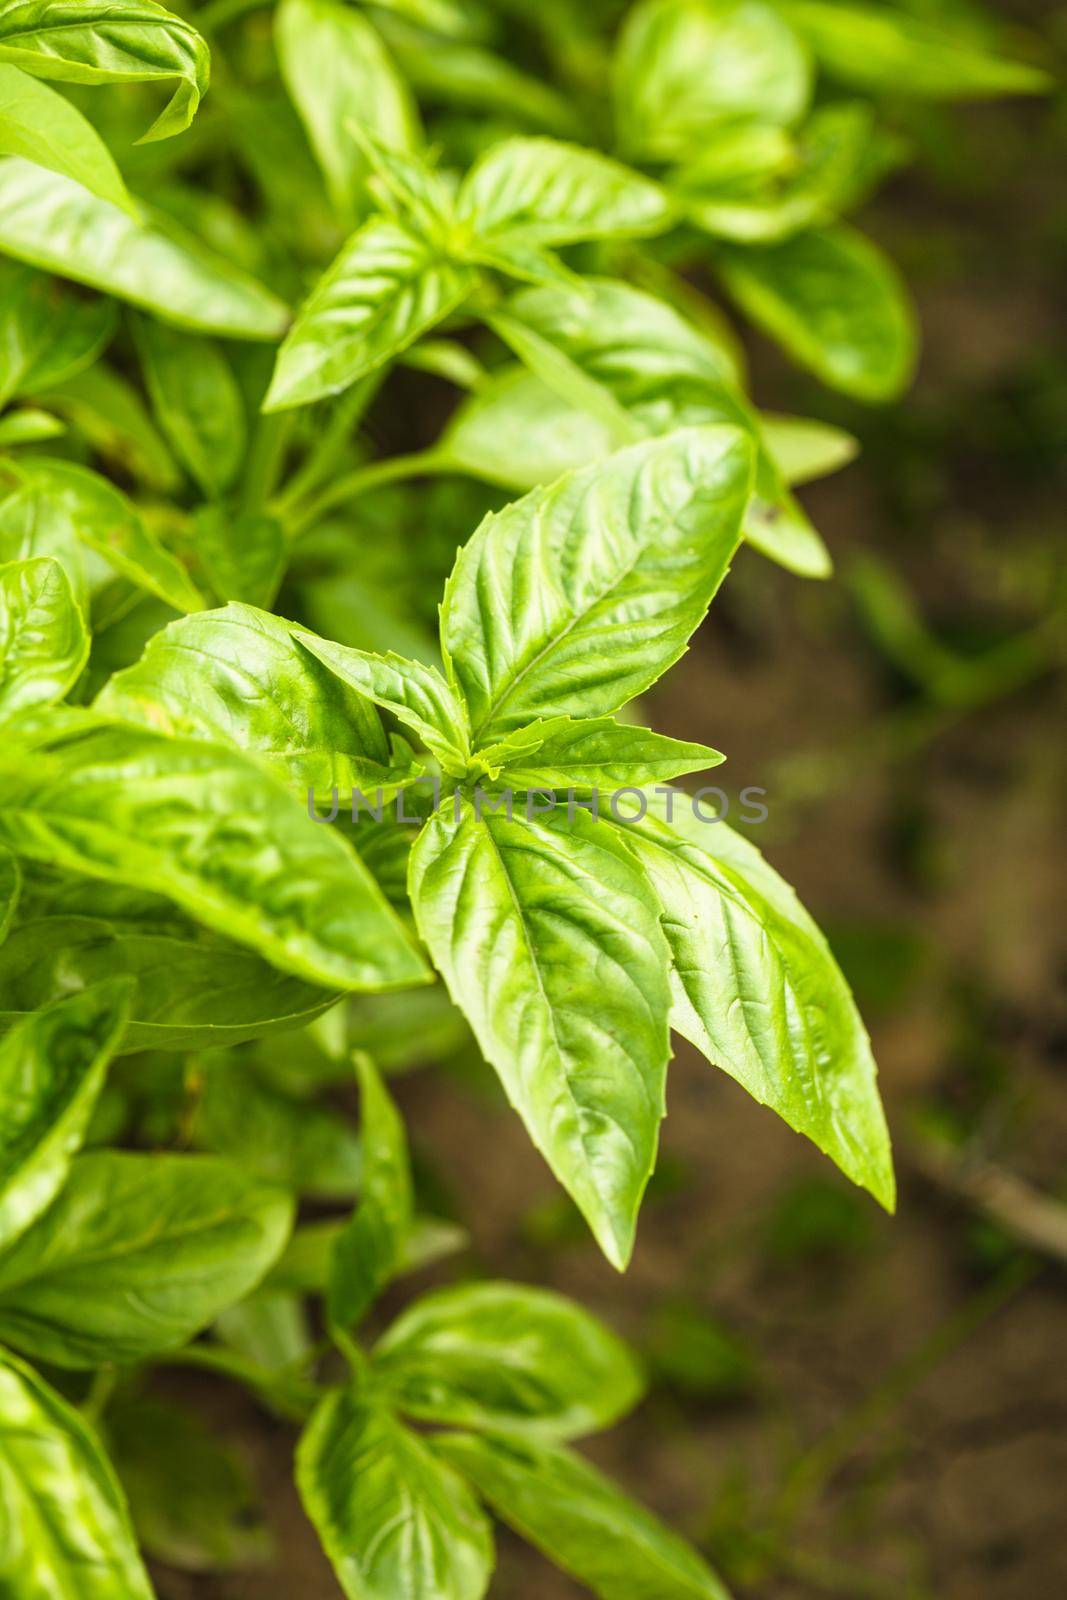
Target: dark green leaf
{"x": 244, "y": 554}
{"x": 369, "y": 1250}
{"x": 46, "y": 333}
{"x": 197, "y": 403}
{"x": 834, "y": 302}
{"x": 192, "y": 990}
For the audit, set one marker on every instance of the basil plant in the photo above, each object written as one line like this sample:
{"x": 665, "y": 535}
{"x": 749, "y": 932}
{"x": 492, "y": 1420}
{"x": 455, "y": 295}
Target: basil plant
{"x": 288, "y": 786}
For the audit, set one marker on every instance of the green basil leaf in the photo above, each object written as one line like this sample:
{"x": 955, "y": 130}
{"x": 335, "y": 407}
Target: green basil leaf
{"x": 27, "y": 425}
{"x": 880, "y": 49}
{"x": 46, "y": 334}
{"x": 501, "y": 1355}
{"x": 442, "y": 71}
{"x": 370, "y": 1249}
{"x": 43, "y": 641}
{"x": 239, "y": 676}
{"x": 55, "y": 1479}
{"x": 599, "y": 754}
{"x": 137, "y": 1254}
{"x": 191, "y": 1496}
{"x": 835, "y": 304}
{"x": 207, "y": 828}
{"x": 112, "y": 418}
{"x": 757, "y": 990}
{"x": 683, "y": 68}
{"x": 803, "y": 448}
{"x": 41, "y": 125}
{"x": 305, "y": 1265}
{"x": 101, "y": 517}
{"x": 335, "y": 67}
{"x": 52, "y": 222}
{"x": 836, "y": 156}
{"x": 110, "y": 41}
{"x": 565, "y": 989}
{"x": 580, "y": 1519}
{"x": 298, "y": 1145}
{"x": 394, "y": 1520}
{"x": 385, "y": 290}
{"x": 579, "y": 596}
{"x": 52, "y": 1068}
{"x": 654, "y": 368}
{"x": 191, "y": 990}
{"x": 414, "y": 692}
{"x": 558, "y": 193}
{"x": 197, "y": 403}
{"x": 244, "y": 554}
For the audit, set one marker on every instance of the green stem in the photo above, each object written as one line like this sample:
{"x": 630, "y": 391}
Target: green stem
{"x": 289, "y": 1395}
{"x": 320, "y": 461}
{"x": 266, "y": 458}
{"x": 100, "y": 1391}
{"x": 372, "y": 476}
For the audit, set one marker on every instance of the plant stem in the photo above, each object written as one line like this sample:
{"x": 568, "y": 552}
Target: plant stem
{"x": 265, "y": 459}
{"x": 100, "y": 1392}
{"x": 347, "y": 414}
{"x": 372, "y": 476}
{"x": 291, "y": 1396}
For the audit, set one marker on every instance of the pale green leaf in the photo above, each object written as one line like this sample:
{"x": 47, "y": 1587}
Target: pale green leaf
{"x": 54, "y": 223}
{"x": 501, "y": 1355}
{"x": 684, "y": 68}
{"x": 414, "y": 692}
{"x": 43, "y": 640}
{"x": 209, "y": 829}
{"x": 41, "y": 125}
{"x": 52, "y": 1068}
{"x": 396, "y": 1522}
{"x": 64, "y": 1520}
{"x": 579, "y": 596}
{"x": 385, "y": 290}
{"x": 557, "y": 193}
{"x": 90, "y": 508}
{"x": 137, "y": 1254}
{"x": 803, "y": 448}
{"x": 549, "y": 942}
{"x": 596, "y": 753}
{"x": 757, "y": 990}
{"x": 336, "y": 67}
{"x": 110, "y": 41}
